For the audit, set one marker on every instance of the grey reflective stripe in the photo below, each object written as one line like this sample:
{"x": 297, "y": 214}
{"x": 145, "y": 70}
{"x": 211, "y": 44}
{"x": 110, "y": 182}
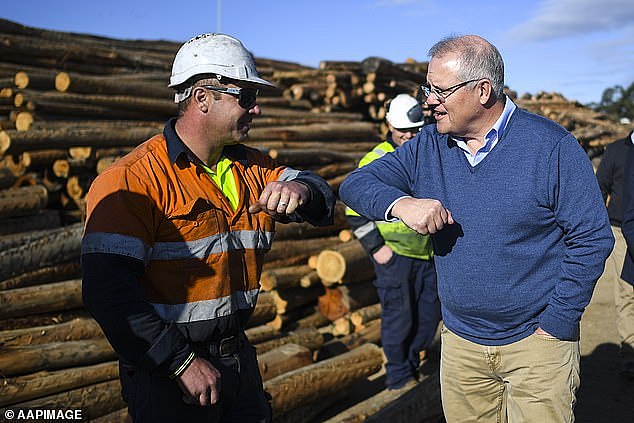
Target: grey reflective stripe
{"x": 207, "y": 309}
{"x": 380, "y": 152}
{"x": 103, "y": 242}
{"x": 215, "y": 244}
{"x": 288, "y": 174}
{"x": 363, "y": 230}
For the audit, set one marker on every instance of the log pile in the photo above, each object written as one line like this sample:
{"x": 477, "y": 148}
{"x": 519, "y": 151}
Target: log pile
{"x": 71, "y": 104}
{"x": 592, "y": 129}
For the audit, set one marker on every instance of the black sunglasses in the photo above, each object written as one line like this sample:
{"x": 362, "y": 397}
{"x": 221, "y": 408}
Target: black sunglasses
{"x": 247, "y": 97}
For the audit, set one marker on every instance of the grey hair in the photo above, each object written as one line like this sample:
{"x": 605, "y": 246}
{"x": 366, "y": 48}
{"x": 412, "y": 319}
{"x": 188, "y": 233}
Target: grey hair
{"x": 197, "y": 81}
{"x": 477, "y": 58}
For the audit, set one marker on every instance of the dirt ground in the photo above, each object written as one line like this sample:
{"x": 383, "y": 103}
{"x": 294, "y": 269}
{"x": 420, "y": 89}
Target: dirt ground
{"x": 604, "y": 396}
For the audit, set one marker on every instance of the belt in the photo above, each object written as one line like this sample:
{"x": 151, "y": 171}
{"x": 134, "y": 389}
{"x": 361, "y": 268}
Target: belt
{"x": 225, "y": 347}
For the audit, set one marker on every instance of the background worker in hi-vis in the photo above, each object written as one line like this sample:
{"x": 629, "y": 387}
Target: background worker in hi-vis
{"x": 403, "y": 263}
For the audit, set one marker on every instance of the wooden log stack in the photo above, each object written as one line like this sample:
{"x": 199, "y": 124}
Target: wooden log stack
{"x": 71, "y": 104}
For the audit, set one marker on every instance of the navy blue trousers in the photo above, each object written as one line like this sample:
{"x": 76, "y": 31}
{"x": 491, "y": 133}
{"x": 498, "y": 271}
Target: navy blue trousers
{"x": 410, "y": 314}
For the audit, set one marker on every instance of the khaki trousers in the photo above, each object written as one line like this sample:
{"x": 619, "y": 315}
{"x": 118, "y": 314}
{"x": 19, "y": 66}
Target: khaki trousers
{"x": 623, "y": 296}
{"x": 531, "y": 380}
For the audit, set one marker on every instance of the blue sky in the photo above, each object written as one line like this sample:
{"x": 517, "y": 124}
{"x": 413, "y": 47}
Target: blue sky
{"x": 574, "y": 47}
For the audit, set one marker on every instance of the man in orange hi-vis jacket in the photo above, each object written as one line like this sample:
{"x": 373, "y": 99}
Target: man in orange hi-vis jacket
{"x": 175, "y": 238}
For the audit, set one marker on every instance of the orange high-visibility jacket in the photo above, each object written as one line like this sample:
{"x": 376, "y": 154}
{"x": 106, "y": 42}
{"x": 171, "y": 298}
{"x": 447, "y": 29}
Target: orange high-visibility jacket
{"x": 202, "y": 260}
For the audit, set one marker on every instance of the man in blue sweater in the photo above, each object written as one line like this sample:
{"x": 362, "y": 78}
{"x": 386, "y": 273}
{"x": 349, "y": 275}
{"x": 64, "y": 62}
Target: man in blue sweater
{"x": 520, "y": 236}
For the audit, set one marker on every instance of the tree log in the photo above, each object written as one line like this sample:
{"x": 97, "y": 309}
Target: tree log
{"x": 261, "y": 333}
{"x": 24, "y": 388}
{"x": 311, "y": 157}
{"x": 15, "y": 141}
{"x": 93, "y": 400}
{"x": 45, "y": 219}
{"x": 306, "y": 230}
{"x": 337, "y": 301}
{"x": 333, "y": 131}
{"x": 345, "y": 263}
{"x": 419, "y": 403}
{"x": 310, "y": 338}
{"x": 42, "y": 80}
{"x": 57, "y": 355}
{"x": 298, "y": 247}
{"x": 371, "y": 333}
{"x": 310, "y": 279}
{"x": 24, "y": 201}
{"x": 110, "y": 85}
{"x": 283, "y": 277}
{"x": 264, "y": 311}
{"x": 73, "y": 330}
{"x": 289, "y": 299}
{"x": 60, "y": 245}
{"x": 58, "y": 272}
{"x": 360, "y": 317}
{"x": 311, "y": 383}
{"x": 283, "y": 359}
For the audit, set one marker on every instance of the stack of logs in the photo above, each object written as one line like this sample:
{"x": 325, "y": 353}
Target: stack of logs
{"x": 71, "y": 104}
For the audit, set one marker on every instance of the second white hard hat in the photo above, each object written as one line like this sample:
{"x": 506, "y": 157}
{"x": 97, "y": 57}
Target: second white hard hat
{"x": 405, "y": 112}
{"x": 218, "y": 54}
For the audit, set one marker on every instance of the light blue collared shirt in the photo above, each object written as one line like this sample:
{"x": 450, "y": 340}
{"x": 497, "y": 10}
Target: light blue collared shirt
{"x": 491, "y": 138}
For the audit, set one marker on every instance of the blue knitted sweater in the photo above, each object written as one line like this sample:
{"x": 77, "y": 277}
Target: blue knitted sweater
{"x": 531, "y": 231}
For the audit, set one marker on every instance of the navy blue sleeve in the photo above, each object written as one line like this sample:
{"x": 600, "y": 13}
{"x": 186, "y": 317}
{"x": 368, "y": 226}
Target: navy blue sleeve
{"x": 581, "y": 213}
{"x": 605, "y": 173}
{"x": 627, "y": 225}
{"x": 113, "y": 296}
{"x": 320, "y": 209}
{"x": 371, "y": 189}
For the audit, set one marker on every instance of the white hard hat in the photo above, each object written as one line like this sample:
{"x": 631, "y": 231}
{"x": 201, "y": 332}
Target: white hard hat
{"x": 405, "y": 112}
{"x": 218, "y": 54}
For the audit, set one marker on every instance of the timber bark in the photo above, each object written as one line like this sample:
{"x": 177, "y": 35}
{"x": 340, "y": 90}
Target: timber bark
{"x": 283, "y": 359}
{"x": 310, "y": 338}
{"x": 58, "y": 246}
{"x": 57, "y": 355}
{"x": 73, "y": 330}
{"x": 339, "y": 300}
{"x": 15, "y": 202}
{"x": 346, "y": 263}
{"x": 311, "y": 383}
{"x": 94, "y": 400}
{"x": 24, "y": 388}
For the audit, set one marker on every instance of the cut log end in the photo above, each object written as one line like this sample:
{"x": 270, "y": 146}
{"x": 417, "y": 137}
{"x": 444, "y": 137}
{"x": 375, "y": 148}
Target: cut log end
{"x": 331, "y": 266}
{"x": 62, "y": 82}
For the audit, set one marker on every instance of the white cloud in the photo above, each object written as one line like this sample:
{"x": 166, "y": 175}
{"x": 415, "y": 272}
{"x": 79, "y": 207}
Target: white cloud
{"x": 566, "y": 18}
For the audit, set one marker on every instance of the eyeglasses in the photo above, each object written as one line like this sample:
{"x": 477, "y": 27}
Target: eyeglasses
{"x": 439, "y": 94}
{"x": 247, "y": 97}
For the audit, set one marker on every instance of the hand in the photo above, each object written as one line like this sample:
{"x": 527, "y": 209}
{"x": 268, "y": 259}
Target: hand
{"x": 424, "y": 215}
{"x": 542, "y": 332}
{"x": 383, "y": 254}
{"x": 281, "y": 198}
{"x": 200, "y": 383}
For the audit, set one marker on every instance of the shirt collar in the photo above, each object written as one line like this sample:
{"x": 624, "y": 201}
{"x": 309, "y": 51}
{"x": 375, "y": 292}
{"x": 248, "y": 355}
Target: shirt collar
{"x": 496, "y": 131}
{"x": 175, "y": 145}
{"x": 500, "y": 125}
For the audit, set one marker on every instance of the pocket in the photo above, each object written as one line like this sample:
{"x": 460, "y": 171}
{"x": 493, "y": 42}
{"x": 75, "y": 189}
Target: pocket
{"x": 195, "y": 218}
{"x": 389, "y": 292}
{"x": 192, "y": 231}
